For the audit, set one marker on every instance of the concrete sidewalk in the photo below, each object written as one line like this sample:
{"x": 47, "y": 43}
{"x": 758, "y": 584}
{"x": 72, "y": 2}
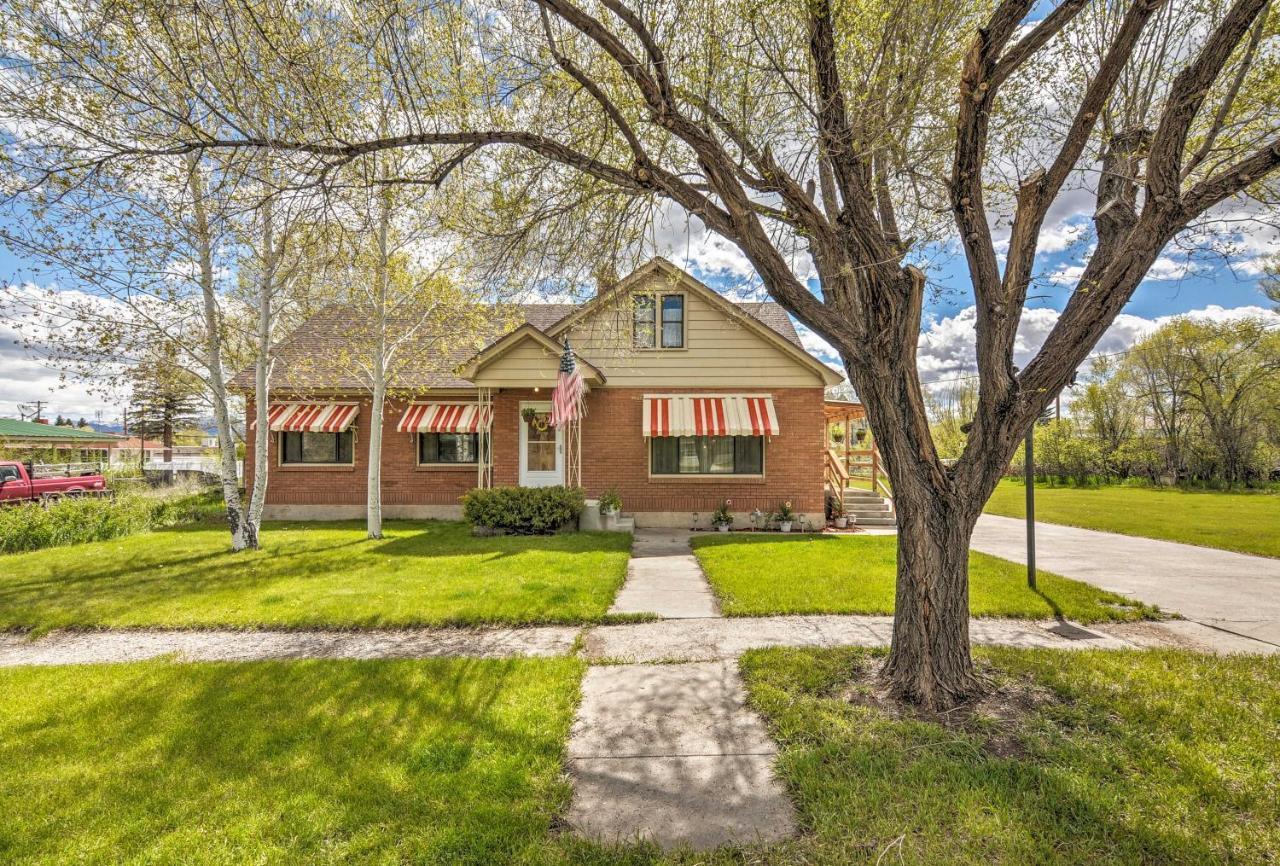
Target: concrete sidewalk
{"x": 664, "y": 578}
{"x": 1230, "y": 592}
{"x": 672, "y": 753}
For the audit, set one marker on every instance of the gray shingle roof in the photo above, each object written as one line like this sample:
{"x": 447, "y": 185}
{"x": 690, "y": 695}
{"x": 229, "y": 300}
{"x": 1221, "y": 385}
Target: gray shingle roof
{"x": 308, "y": 359}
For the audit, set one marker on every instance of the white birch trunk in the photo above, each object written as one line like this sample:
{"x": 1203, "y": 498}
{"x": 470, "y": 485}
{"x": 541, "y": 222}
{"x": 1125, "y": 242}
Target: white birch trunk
{"x": 213, "y": 360}
{"x": 262, "y": 375}
{"x": 379, "y": 376}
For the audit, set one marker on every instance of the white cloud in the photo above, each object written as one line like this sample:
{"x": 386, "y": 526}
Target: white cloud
{"x": 947, "y": 346}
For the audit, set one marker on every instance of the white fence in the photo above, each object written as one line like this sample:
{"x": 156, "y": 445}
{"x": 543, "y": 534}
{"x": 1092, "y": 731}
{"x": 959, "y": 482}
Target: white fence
{"x": 206, "y": 465}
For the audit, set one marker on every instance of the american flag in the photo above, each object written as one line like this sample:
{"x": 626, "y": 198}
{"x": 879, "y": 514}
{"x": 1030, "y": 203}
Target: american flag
{"x": 566, "y": 400}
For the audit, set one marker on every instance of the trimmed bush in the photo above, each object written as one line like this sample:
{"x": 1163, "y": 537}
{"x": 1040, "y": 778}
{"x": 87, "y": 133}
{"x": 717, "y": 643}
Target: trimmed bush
{"x": 523, "y": 510}
{"x": 33, "y": 526}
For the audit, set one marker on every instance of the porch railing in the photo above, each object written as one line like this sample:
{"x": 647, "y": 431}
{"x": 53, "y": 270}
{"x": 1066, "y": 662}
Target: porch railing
{"x": 869, "y": 464}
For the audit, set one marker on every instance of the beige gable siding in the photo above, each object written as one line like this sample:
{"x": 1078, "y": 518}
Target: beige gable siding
{"x": 720, "y": 351}
{"x": 525, "y": 365}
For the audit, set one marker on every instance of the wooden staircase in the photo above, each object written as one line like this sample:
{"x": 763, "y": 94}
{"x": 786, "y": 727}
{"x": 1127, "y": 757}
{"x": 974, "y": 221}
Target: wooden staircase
{"x": 866, "y": 507}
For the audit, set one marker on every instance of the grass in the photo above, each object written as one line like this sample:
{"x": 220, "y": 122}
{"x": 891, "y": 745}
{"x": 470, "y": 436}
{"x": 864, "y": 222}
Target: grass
{"x": 1244, "y": 522}
{"x": 759, "y": 575}
{"x": 310, "y": 575}
{"x": 283, "y": 762}
{"x": 1144, "y": 757}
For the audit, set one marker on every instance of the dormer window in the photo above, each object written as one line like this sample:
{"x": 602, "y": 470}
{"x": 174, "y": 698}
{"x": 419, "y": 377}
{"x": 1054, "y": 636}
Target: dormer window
{"x": 658, "y": 322}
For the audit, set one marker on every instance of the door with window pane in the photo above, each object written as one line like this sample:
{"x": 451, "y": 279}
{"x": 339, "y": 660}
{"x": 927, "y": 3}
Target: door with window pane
{"x": 541, "y": 448}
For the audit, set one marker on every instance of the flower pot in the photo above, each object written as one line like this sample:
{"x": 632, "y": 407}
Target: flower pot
{"x": 842, "y": 523}
{"x": 722, "y": 527}
{"x": 784, "y": 525}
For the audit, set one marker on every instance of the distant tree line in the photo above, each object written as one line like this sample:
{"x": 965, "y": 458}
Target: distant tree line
{"x": 1194, "y": 402}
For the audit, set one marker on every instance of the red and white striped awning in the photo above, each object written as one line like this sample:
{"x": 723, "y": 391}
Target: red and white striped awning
{"x": 719, "y": 415}
{"x": 311, "y": 417}
{"x": 445, "y": 418}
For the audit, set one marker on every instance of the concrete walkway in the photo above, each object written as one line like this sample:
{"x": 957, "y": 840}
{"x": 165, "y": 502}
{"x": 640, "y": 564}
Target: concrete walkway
{"x": 672, "y": 753}
{"x": 89, "y": 647}
{"x": 664, "y": 578}
{"x": 675, "y": 641}
{"x": 1232, "y": 593}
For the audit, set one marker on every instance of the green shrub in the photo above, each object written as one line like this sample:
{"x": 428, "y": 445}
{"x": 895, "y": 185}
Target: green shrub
{"x": 523, "y": 510}
{"x": 33, "y": 526}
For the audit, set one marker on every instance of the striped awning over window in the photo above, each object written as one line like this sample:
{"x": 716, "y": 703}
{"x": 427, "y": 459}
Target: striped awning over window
{"x": 311, "y": 417}
{"x": 445, "y": 418}
{"x": 720, "y": 415}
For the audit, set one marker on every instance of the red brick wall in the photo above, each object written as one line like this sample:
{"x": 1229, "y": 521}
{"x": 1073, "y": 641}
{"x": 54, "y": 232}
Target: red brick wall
{"x": 403, "y": 481}
{"x": 614, "y": 454}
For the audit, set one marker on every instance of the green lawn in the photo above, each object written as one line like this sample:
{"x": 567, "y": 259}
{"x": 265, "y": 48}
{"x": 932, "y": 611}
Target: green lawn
{"x": 283, "y": 762}
{"x": 310, "y": 575}
{"x": 757, "y": 575}
{"x": 1245, "y": 522}
{"x": 1146, "y": 757}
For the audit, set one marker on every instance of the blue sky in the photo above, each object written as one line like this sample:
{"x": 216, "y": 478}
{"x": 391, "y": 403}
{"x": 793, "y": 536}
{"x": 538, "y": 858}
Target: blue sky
{"x": 1207, "y": 286}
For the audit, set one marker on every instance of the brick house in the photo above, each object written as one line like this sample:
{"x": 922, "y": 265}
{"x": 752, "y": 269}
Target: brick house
{"x": 692, "y": 399}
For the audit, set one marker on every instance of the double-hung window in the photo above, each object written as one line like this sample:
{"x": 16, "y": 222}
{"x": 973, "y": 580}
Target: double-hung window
{"x": 318, "y": 448}
{"x": 706, "y": 455}
{"x": 448, "y": 448}
{"x": 658, "y": 322}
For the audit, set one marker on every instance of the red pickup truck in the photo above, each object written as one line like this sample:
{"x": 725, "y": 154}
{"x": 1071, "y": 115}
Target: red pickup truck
{"x": 19, "y": 482}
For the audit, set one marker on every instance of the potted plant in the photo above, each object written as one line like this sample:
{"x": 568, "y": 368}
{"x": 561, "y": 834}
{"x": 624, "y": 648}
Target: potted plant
{"x": 861, "y": 436}
{"x": 837, "y": 435}
{"x": 784, "y": 515}
{"x": 722, "y": 519}
{"x": 528, "y": 413}
{"x": 610, "y": 508}
{"x": 838, "y": 516}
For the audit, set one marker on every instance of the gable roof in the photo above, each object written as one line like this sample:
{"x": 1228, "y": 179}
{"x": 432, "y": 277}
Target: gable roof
{"x": 527, "y": 331}
{"x": 768, "y": 320}
{"x": 306, "y": 360}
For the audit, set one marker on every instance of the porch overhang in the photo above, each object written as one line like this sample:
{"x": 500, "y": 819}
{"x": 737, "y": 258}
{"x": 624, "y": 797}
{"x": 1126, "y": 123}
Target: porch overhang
{"x": 526, "y": 357}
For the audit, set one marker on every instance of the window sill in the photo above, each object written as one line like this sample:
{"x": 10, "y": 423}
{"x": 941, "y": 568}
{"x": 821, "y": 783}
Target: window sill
{"x": 707, "y": 477}
{"x": 446, "y": 467}
{"x": 312, "y": 467}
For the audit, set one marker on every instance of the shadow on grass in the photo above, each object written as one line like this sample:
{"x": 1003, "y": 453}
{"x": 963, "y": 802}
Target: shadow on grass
{"x": 429, "y": 572}
{"x": 439, "y": 761}
{"x": 1116, "y": 769}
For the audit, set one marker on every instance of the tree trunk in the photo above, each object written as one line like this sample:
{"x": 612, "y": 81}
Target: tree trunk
{"x": 929, "y": 661}
{"x": 262, "y": 379}
{"x": 374, "y": 510}
{"x": 213, "y": 361}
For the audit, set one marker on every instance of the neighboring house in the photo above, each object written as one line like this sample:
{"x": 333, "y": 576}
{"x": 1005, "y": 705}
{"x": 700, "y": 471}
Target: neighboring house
{"x": 40, "y": 437}
{"x": 124, "y": 452}
{"x": 693, "y": 400}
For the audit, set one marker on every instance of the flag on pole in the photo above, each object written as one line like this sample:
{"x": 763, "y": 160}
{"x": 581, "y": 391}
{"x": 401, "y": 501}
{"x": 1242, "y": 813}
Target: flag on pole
{"x": 567, "y": 399}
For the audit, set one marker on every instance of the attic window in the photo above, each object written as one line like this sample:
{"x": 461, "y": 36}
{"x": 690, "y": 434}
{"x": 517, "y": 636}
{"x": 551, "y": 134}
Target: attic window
{"x": 646, "y": 333}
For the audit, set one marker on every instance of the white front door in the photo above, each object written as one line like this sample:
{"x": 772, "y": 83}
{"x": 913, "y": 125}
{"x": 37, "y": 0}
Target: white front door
{"x": 541, "y": 449}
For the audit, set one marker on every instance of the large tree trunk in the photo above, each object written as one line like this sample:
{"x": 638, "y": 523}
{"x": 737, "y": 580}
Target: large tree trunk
{"x": 929, "y": 661}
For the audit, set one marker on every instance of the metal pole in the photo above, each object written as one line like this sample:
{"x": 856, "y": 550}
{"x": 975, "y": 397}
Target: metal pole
{"x": 1029, "y": 473}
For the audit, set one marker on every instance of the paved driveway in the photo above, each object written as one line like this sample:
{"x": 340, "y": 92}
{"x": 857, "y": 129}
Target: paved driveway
{"x": 1230, "y": 591}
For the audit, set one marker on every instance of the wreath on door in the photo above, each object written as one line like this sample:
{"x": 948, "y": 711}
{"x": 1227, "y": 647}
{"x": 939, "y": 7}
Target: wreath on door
{"x": 537, "y": 420}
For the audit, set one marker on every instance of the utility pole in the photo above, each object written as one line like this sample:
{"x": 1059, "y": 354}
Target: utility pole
{"x": 32, "y": 409}
{"x": 1029, "y": 471}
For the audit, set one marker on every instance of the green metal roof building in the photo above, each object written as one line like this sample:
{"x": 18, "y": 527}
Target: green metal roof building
{"x": 28, "y": 435}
